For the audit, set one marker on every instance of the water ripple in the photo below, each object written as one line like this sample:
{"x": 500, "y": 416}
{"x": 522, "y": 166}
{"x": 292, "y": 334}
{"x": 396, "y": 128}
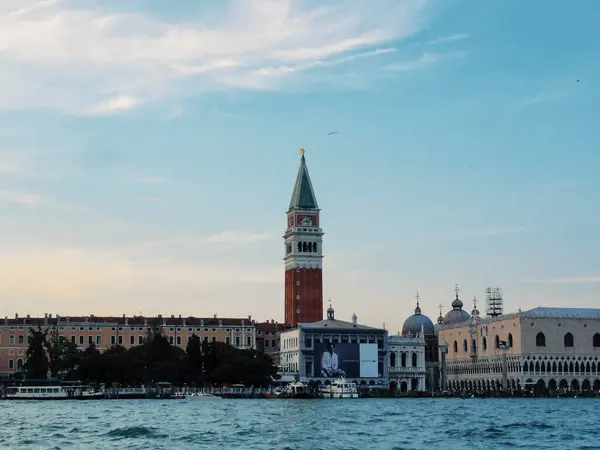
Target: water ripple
{"x": 301, "y": 424}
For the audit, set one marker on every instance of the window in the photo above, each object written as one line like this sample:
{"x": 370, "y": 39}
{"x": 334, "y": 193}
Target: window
{"x": 568, "y": 340}
{"x": 274, "y": 344}
{"x": 465, "y": 345}
{"x": 414, "y": 360}
{"x": 205, "y": 338}
{"x": 237, "y": 341}
{"x": 140, "y": 340}
{"x": 510, "y": 340}
{"x": 540, "y": 340}
{"x": 19, "y": 364}
{"x": 131, "y": 340}
{"x": 120, "y": 340}
{"x": 484, "y": 343}
{"x": 392, "y": 359}
{"x": 308, "y": 342}
{"x": 228, "y": 340}
{"x": 11, "y": 364}
{"x": 21, "y": 340}
{"x": 178, "y": 340}
{"x": 73, "y": 339}
{"x": 249, "y": 341}
{"x": 214, "y": 339}
{"x": 113, "y": 340}
{"x": 98, "y": 340}
{"x": 497, "y": 342}
{"x": 403, "y": 359}
{"x": 596, "y": 340}
{"x": 455, "y": 347}
{"x": 90, "y": 340}
{"x": 11, "y": 339}
{"x": 81, "y": 338}
{"x": 171, "y": 340}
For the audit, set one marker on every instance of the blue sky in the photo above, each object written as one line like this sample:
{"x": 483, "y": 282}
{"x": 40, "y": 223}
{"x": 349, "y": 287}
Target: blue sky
{"x": 148, "y": 151}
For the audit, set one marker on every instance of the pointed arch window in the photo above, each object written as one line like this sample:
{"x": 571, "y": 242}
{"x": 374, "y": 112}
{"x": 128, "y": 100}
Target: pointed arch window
{"x": 455, "y": 347}
{"x": 596, "y": 340}
{"x": 568, "y": 340}
{"x": 484, "y": 343}
{"x": 414, "y": 360}
{"x": 510, "y": 340}
{"x": 299, "y": 246}
{"x": 392, "y": 359}
{"x": 540, "y": 340}
{"x": 403, "y": 359}
{"x": 465, "y": 346}
{"x": 314, "y": 247}
{"x": 497, "y": 341}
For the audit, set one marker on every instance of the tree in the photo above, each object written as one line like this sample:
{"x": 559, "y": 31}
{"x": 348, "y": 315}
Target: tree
{"x": 194, "y": 360}
{"x": 36, "y": 365}
{"x": 64, "y": 354}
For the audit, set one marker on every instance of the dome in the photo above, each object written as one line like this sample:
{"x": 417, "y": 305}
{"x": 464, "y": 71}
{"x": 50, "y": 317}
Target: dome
{"x": 457, "y": 314}
{"x": 413, "y": 324}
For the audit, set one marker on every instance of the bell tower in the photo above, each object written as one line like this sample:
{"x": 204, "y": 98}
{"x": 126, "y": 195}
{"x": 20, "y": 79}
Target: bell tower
{"x": 303, "y": 253}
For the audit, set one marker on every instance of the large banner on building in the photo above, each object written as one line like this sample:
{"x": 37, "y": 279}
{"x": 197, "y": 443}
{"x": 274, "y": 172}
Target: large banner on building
{"x": 346, "y": 360}
{"x": 369, "y": 357}
{"x": 337, "y": 360}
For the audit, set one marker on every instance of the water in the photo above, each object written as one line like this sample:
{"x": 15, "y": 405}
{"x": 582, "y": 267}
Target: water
{"x": 301, "y": 424}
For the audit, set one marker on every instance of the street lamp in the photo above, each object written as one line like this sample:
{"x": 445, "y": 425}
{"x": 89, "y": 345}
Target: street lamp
{"x": 443, "y": 351}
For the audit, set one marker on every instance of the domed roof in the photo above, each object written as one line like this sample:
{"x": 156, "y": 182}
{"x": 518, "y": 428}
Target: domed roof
{"x": 413, "y": 324}
{"x": 457, "y": 314}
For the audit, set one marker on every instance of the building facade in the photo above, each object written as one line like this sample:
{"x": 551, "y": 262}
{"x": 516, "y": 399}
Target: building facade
{"x": 326, "y": 350}
{"x": 105, "y": 332}
{"x": 268, "y": 338}
{"x": 407, "y": 363}
{"x": 543, "y": 349}
{"x": 303, "y": 240}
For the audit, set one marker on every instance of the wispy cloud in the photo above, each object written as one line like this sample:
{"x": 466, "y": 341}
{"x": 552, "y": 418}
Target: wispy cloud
{"x": 567, "y": 280}
{"x": 60, "y": 55}
{"x": 449, "y": 38}
{"x": 426, "y": 60}
{"x": 546, "y": 97}
{"x": 499, "y": 232}
{"x": 20, "y": 198}
{"x": 149, "y": 179}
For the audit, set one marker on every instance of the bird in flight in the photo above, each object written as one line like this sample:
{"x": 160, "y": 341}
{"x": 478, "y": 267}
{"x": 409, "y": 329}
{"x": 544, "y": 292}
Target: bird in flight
{"x": 578, "y": 81}
{"x": 333, "y": 132}
{"x": 471, "y": 165}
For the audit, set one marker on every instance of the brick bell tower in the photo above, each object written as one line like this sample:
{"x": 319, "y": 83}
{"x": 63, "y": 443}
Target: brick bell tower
{"x": 303, "y": 253}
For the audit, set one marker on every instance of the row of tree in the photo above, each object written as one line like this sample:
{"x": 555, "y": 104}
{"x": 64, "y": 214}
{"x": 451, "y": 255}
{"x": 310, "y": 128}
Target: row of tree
{"x": 155, "y": 360}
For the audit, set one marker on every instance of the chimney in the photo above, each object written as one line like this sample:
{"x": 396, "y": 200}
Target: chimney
{"x": 5, "y": 320}
{"x": 145, "y": 322}
{"x": 45, "y": 318}
{"x": 50, "y": 316}
{"x": 220, "y": 322}
{"x": 16, "y": 316}
{"x": 126, "y": 319}
{"x": 215, "y": 316}
{"x": 180, "y": 316}
{"x": 354, "y": 319}
{"x": 172, "y": 316}
{"x": 201, "y": 322}
{"x": 92, "y": 316}
{"x": 250, "y": 318}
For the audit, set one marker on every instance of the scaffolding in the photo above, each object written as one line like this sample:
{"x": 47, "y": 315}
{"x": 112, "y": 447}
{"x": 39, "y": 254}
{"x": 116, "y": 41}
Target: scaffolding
{"x": 494, "y": 302}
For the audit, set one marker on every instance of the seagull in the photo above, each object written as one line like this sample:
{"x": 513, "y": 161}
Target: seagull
{"x": 333, "y": 132}
{"x": 578, "y": 81}
{"x": 471, "y": 165}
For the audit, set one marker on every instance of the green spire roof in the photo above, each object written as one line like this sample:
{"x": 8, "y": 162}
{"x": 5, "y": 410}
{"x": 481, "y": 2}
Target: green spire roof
{"x": 303, "y": 196}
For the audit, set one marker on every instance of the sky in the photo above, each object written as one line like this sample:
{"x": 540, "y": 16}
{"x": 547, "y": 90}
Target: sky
{"x": 148, "y": 151}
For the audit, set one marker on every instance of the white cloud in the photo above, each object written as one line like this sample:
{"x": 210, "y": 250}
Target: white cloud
{"x": 56, "y": 54}
{"x": 426, "y": 60}
{"x": 20, "y": 198}
{"x": 449, "y": 38}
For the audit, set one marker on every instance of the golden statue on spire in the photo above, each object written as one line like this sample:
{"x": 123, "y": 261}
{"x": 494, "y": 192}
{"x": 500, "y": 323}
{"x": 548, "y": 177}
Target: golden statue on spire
{"x": 301, "y": 152}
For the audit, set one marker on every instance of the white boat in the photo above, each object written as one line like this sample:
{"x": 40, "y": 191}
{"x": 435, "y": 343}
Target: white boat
{"x": 340, "y": 388}
{"x": 52, "y": 392}
{"x": 199, "y": 396}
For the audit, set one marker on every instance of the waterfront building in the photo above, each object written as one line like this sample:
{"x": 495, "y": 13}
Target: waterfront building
{"x": 268, "y": 338}
{"x": 420, "y": 324}
{"x": 323, "y": 351}
{"x": 303, "y": 253}
{"x": 126, "y": 331}
{"x": 544, "y": 349}
{"x": 407, "y": 365}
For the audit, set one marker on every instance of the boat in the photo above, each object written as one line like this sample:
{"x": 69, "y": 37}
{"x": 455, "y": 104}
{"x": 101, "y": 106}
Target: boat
{"x": 178, "y": 396}
{"x": 340, "y": 388}
{"x": 52, "y": 390}
{"x": 199, "y": 396}
{"x": 127, "y": 392}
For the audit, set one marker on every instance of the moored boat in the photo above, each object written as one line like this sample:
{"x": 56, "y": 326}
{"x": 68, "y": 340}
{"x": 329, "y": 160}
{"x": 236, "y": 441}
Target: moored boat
{"x": 52, "y": 390}
{"x": 200, "y": 396}
{"x": 340, "y": 388}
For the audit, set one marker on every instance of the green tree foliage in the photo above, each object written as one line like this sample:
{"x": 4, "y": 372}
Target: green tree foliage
{"x": 36, "y": 365}
{"x": 213, "y": 363}
{"x": 63, "y": 354}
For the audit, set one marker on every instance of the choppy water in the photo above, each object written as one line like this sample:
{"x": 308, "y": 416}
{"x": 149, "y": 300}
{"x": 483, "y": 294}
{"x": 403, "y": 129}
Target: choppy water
{"x": 301, "y": 424}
